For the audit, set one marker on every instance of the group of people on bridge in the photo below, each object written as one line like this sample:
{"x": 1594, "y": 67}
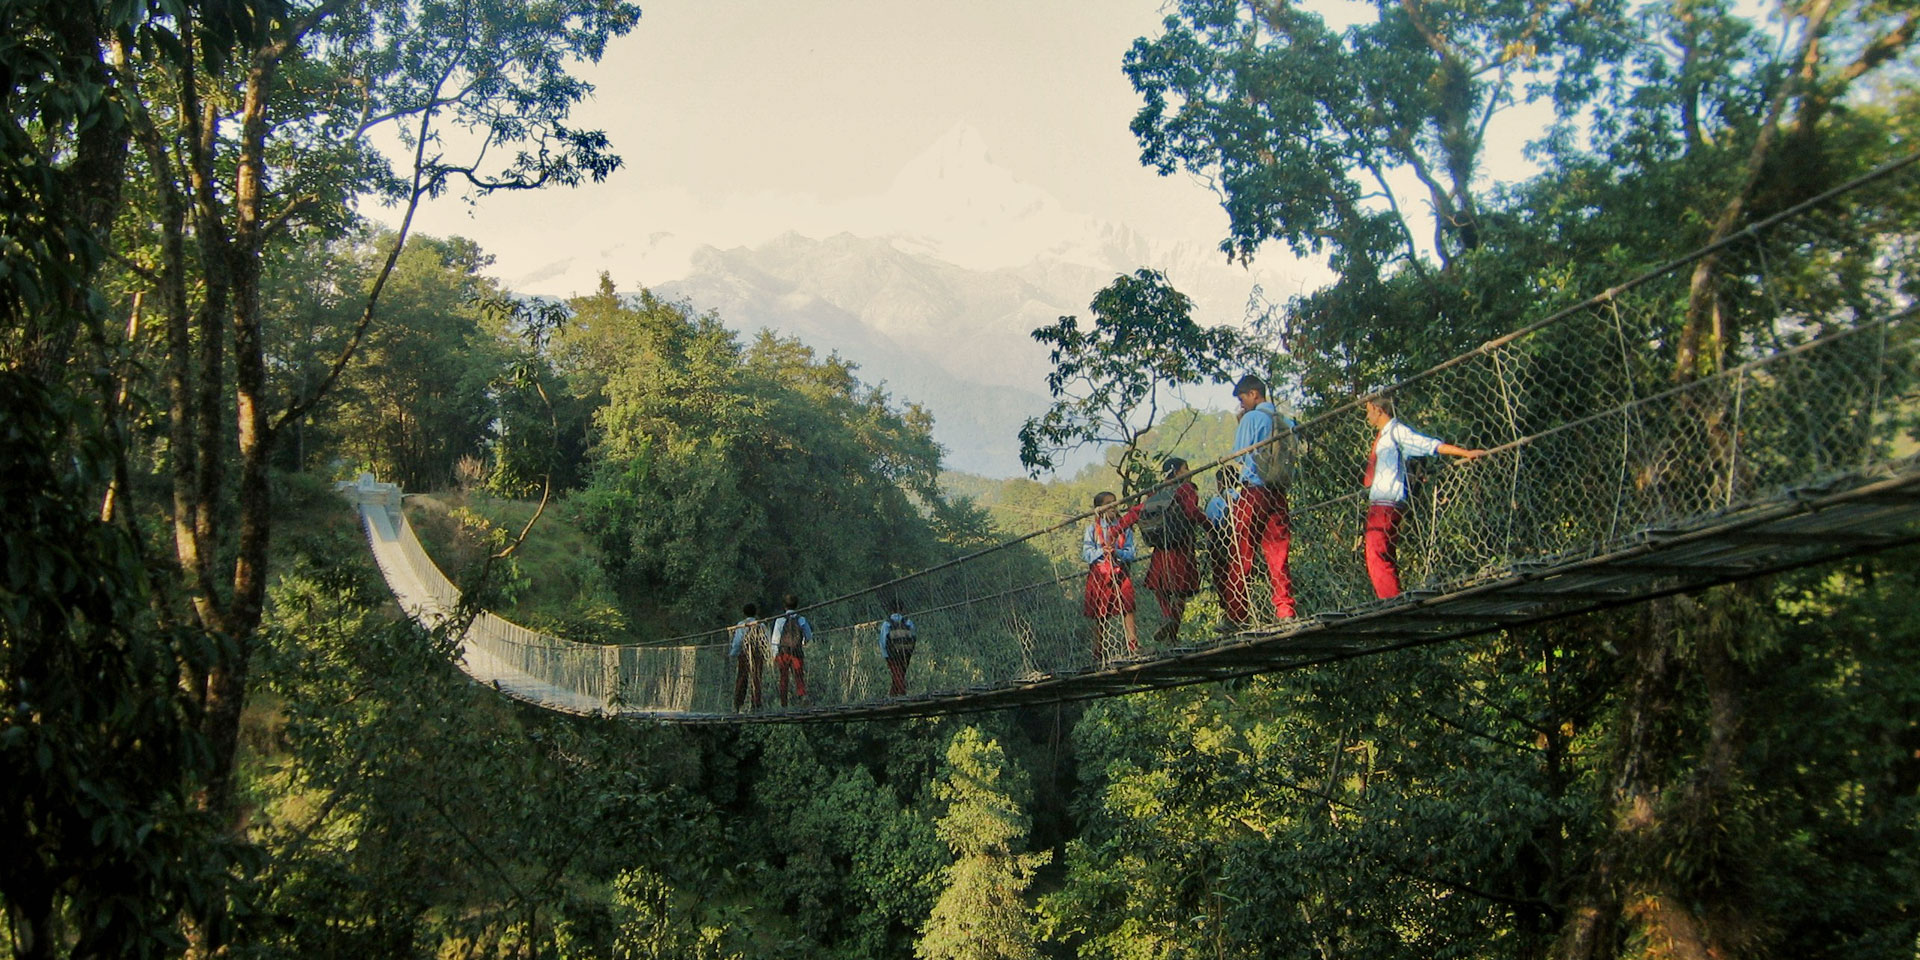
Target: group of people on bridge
{"x": 1246, "y": 517}
{"x": 783, "y": 640}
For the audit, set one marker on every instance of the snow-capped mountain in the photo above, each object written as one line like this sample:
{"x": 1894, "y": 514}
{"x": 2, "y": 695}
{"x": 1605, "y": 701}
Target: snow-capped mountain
{"x": 933, "y": 288}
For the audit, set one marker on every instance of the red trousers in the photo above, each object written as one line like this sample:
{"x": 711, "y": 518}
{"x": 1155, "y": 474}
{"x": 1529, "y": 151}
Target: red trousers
{"x": 897, "y": 665}
{"x": 747, "y": 668}
{"x": 795, "y": 665}
{"x": 1383, "y": 537}
{"x": 1259, "y": 520}
{"x": 1173, "y": 573}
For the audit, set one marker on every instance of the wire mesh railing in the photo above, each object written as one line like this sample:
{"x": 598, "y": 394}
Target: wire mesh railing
{"x": 1592, "y": 435}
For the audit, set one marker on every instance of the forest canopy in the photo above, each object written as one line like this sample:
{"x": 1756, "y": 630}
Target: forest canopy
{"x": 218, "y": 736}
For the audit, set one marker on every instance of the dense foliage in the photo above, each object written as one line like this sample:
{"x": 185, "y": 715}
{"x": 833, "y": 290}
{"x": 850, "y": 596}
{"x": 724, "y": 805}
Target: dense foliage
{"x": 218, "y": 737}
{"x": 724, "y": 473}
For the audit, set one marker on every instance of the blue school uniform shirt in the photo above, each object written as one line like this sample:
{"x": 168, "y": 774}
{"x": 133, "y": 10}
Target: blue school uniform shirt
{"x": 1124, "y": 549}
{"x": 740, "y": 635}
{"x": 1396, "y": 444}
{"x": 1257, "y": 425}
{"x": 1217, "y": 507}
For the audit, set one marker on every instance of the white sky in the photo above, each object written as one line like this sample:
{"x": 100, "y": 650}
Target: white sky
{"x": 739, "y": 120}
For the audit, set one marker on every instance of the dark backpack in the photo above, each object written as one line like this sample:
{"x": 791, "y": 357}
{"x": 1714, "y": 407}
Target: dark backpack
{"x": 1162, "y": 523}
{"x": 790, "y": 637}
{"x": 900, "y": 637}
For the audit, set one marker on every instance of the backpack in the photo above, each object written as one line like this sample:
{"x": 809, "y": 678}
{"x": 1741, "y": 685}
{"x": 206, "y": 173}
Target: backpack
{"x": 1275, "y": 459}
{"x": 790, "y": 637}
{"x": 1162, "y": 524}
{"x": 900, "y": 637}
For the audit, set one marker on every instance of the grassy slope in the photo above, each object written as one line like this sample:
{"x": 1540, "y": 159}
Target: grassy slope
{"x": 552, "y": 581}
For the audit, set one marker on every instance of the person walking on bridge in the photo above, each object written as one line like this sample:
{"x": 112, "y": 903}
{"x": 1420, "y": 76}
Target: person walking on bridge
{"x": 1171, "y": 522}
{"x": 1259, "y": 514}
{"x": 1107, "y": 547}
{"x": 1220, "y": 524}
{"x": 897, "y": 639}
{"x": 1386, "y": 481}
{"x": 788, "y": 640}
{"x": 748, "y": 653}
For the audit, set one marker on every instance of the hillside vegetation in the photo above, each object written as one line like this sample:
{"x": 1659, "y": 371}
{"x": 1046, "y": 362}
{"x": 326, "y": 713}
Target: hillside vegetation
{"x": 219, "y": 737}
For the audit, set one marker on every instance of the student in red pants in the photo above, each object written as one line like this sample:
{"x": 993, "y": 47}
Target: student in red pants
{"x": 1386, "y": 481}
{"x": 1174, "y": 522}
{"x": 1107, "y": 547}
{"x": 790, "y": 635}
{"x": 897, "y": 640}
{"x": 1259, "y": 515}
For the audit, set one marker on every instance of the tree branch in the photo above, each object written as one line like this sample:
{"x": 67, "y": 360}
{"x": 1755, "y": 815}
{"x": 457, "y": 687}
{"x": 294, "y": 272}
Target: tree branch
{"x": 303, "y": 406}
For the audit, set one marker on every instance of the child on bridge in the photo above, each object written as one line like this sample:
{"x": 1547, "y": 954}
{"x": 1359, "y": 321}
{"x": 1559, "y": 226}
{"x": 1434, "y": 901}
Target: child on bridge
{"x": 789, "y": 638}
{"x": 1386, "y": 482}
{"x": 897, "y": 639}
{"x": 1171, "y": 522}
{"x": 1259, "y": 514}
{"x": 1107, "y": 547}
{"x": 748, "y": 652}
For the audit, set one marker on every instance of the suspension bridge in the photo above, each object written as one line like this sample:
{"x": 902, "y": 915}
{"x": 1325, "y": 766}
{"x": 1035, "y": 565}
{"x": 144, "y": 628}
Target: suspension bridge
{"x": 1609, "y": 481}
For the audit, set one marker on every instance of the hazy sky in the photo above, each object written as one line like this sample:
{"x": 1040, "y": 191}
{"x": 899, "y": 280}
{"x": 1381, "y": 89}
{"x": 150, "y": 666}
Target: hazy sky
{"x": 742, "y": 119}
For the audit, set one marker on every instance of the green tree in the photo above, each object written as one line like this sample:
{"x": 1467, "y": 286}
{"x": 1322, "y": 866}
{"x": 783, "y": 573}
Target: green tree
{"x": 542, "y": 430}
{"x": 311, "y": 296}
{"x": 849, "y": 849}
{"x": 419, "y": 396}
{"x": 183, "y": 142}
{"x": 653, "y": 927}
{"x": 1679, "y": 123}
{"x": 100, "y": 756}
{"x": 982, "y": 912}
{"x": 724, "y": 471}
{"x": 407, "y": 812}
{"x": 1107, "y": 382}
{"x": 242, "y": 153}
{"x": 1301, "y": 127}
{"x": 1285, "y": 818}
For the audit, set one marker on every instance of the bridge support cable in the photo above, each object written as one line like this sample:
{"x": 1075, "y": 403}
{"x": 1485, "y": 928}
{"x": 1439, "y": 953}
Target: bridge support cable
{"x": 1607, "y": 483}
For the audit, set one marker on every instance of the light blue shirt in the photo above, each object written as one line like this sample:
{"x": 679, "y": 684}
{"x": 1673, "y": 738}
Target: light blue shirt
{"x": 1124, "y": 549}
{"x": 1217, "y": 507}
{"x": 1256, "y": 425}
{"x": 740, "y": 635}
{"x": 885, "y": 624}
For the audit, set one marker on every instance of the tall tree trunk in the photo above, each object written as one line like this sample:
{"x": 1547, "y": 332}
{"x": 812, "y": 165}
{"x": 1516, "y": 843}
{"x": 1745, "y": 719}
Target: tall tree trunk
{"x": 75, "y": 200}
{"x": 1641, "y": 880}
{"x": 226, "y": 684}
{"x": 1594, "y": 916}
{"x": 199, "y": 380}
{"x": 1709, "y": 331}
